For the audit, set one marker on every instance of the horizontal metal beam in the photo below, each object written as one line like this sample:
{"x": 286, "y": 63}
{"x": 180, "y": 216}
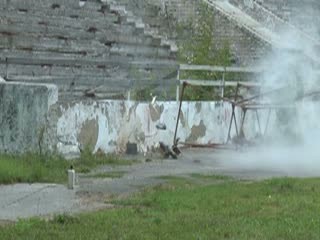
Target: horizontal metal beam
{"x": 265, "y": 106}
{"x": 187, "y": 67}
{"x": 217, "y": 83}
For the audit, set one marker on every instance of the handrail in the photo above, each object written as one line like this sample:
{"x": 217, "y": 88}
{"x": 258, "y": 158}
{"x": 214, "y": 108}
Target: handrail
{"x": 187, "y": 67}
{"x": 295, "y": 28}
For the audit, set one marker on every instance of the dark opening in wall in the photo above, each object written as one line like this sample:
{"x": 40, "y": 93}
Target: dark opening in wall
{"x": 23, "y": 10}
{"x": 92, "y": 29}
{"x": 55, "y": 6}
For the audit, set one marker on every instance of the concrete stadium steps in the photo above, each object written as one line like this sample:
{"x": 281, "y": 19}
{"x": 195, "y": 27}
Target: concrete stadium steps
{"x": 136, "y": 50}
{"x": 97, "y": 87}
{"x": 10, "y": 57}
{"x": 103, "y": 46}
{"x": 57, "y": 75}
{"x": 108, "y": 37}
{"x": 110, "y": 75}
{"x": 41, "y": 51}
{"x": 42, "y": 19}
{"x": 76, "y": 76}
{"x": 87, "y": 82}
{"x": 148, "y": 30}
{"x": 65, "y": 13}
{"x": 98, "y": 47}
{"x": 107, "y": 34}
{"x": 62, "y": 25}
{"x": 64, "y": 33}
{"x": 48, "y": 70}
{"x": 28, "y": 43}
{"x": 65, "y": 8}
{"x": 97, "y": 23}
{"x": 54, "y": 4}
{"x": 73, "y": 82}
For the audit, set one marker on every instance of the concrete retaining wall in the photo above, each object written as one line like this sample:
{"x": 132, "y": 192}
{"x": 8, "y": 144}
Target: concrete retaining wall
{"x": 23, "y": 111}
{"x": 32, "y": 120}
{"x": 110, "y": 125}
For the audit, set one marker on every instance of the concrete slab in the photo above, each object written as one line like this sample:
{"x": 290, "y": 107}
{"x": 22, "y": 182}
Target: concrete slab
{"x": 24, "y": 108}
{"x": 28, "y": 200}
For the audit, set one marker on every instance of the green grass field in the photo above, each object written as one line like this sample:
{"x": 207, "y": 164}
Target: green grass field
{"x": 52, "y": 168}
{"x": 219, "y": 209}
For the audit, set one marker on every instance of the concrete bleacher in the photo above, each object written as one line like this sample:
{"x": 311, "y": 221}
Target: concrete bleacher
{"x": 262, "y": 30}
{"x": 99, "y": 49}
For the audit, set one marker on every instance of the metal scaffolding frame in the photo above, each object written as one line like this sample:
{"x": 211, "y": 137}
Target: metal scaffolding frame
{"x": 253, "y": 103}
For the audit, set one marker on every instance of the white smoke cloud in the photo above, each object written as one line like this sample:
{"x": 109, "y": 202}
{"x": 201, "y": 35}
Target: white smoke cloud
{"x": 294, "y": 148}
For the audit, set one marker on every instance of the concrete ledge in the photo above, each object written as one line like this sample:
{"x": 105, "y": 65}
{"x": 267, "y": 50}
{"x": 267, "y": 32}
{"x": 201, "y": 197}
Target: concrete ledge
{"x": 23, "y": 108}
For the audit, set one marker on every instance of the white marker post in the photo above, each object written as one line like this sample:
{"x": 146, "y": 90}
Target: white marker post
{"x": 71, "y": 178}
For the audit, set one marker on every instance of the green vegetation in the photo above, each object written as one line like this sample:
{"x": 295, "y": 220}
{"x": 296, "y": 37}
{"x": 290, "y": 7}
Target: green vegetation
{"x": 201, "y": 48}
{"x": 32, "y": 168}
{"x": 196, "y": 45}
{"x": 88, "y": 161}
{"x": 115, "y": 174}
{"x": 50, "y": 168}
{"x": 272, "y": 209}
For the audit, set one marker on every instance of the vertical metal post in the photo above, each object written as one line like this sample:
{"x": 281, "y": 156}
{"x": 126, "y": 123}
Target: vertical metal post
{"x": 230, "y": 125}
{"x": 258, "y": 122}
{"x": 178, "y": 85}
{"x": 233, "y": 115}
{"x": 242, "y": 123}
{"x": 223, "y": 83}
{"x": 7, "y": 69}
{"x": 267, "y": 124}
{"x": 177, "y": 123}
{"x": 129, "y": 96}
{"x": 235, "y": 124}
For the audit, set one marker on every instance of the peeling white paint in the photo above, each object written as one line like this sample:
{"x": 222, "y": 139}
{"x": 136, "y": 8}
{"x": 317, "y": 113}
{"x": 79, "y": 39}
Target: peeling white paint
{"x": 120, "y": 122}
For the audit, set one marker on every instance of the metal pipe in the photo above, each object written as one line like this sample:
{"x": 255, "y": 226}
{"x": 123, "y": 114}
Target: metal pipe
{"x": 233, "y": 115}
{"x": 258, "y": 119}
{"x": 178, "y": 85}
{"x": 261, "y": 94}
{"x": 229, "y": 130}
{"x": 267, "y": 124}
{"x": 236, "y": 125}
{"x": 178, "y": 117}
{"x": 242, "y": 123}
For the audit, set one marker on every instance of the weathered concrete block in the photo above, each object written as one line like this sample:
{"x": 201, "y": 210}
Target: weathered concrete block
{"x": 23, "y": 109}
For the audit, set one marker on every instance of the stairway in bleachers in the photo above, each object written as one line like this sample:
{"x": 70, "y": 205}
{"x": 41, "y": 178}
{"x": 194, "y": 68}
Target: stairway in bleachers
{"x": 97, "y": 50}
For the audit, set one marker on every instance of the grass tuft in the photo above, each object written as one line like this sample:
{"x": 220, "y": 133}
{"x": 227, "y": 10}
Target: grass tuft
{"x": 65, "y": 219}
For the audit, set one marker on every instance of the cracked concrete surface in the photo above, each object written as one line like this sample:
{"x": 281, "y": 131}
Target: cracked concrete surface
{"x": 28, "y": 200}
